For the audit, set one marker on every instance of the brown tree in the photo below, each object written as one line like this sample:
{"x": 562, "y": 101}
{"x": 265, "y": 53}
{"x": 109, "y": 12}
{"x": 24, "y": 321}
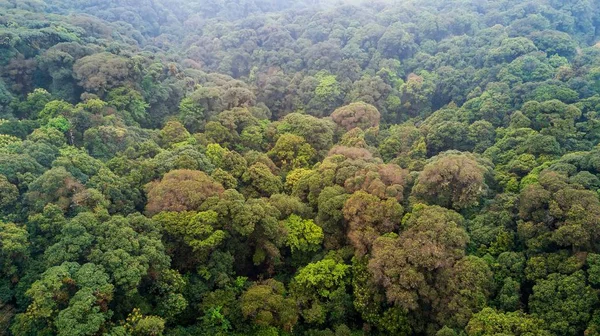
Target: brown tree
{"x": 382, "y": 180}
{"x": 181, "y": 190}
{"x": 103, "y": 71}
{"x": 56, "y": 186}
{"x": 358, "y": 114}
{"x": 464, "y": 290}
{"x": 407, "y": 265}
{"x": 369, "y": 217}
{"x": 453, "y": 181}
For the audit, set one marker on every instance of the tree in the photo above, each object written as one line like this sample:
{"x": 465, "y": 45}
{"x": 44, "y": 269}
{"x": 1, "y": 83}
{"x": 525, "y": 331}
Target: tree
{"x": 181, "y": 190}
{"x": 593, "y": 261}
{"x": 139, "y": 325}
{"x": 57, "y": 62}
{"x": 254, "y": 225}
{"x": 173, "y": 133}
{"x": 554, "y": 42}
{"x": 267, "y": 305}
{"x": 405, "y": 146}
{"x": 103, "y": 71}
{"x": 54, "y": 186}
{"x": 369, "y": 301}
{"x": 14, "y": 250}
{"x": 415, "y": 98}
{"x": 497, "y": 219}
{"x": 564, "y": 301}
{"x": 482, "y": 134}
{"x": 9, "y": 192}
{"x": 55, "y": 109}
{"x": 554, "y": 118}
{"x": 510, "y": 49}
{"x": 359, "y": 114}
{"x": 120, "y": 191}
{"x": 380, "y": 91}
{"x": 529, "y": 68}
{"x": 396, "y": 42}
{"x": 317, "y": 132}
{"x": 292, "y": 152}
{"x": 493, "y": 105}
{"x": 408, "y": 265}
{"x": 327, "y": 94}
{"x": 69, "y": 299}
{"x": 290, "y": 205}
{"x": 227, "y": 180}
{"x": 368, "y": 218}
{"x": 182, "y": 157}
{"x": 260, "y": 181}
{"x": 303, "y": 234}
{"x": 78, "y": 163}
{"x": 316, "y": 283}
{"x": 331, "y": 217}
{"x": 19, "y": 169}
{"x": 555, "y": 212}
{"x": 105, "y": 141}
{"x": 454, "y": 181}
{"x": 114, "y": 244}
{"x": 446, "y": 136}
{"x": 490, "y": 322}
{"x": 35, "y": 102}
{"x": 464, "y": 292}
{"x": 197, "y": 230}
{"x": 237, "y": 120}
{"x": 191, "y": 114}
{"x": 129, "y": 103}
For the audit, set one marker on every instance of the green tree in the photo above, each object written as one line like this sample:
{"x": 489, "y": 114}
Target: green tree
{"x": 491, "y": 322}
{"x": 14, "y": 251}
{"x": 113, "y": 243}
{"x": 9, "y": 192}
{"x": 465, "y": 291}
{"x": 303, "y": 234}
{"x": 327, "y": 94}
{"x": 173, "y": 133}
{"x": 197, "y": 230}
{"x": 129, "y": 103}
{"x": 267, "y": 305}
{"x": 396, "y": 42}
{"x": 573, "y": 212}
{"x": 565, "y": 302}
{"x": 317, "y": 282}
{"x": 138, "y": 324}
{"x": 292, "y": 152}
{"x": 317, "y": 132}
{"x": 191, "y": 114}
{"x": 260, "y": 181}
{"x": 69, "y": 299}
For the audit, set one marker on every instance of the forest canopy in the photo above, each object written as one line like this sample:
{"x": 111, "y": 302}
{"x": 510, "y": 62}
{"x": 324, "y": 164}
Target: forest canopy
{"x": 312, "y": 167}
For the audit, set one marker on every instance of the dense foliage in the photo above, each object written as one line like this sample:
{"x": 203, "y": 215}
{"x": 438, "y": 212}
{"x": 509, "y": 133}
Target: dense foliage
{"x": 262, "y": 167}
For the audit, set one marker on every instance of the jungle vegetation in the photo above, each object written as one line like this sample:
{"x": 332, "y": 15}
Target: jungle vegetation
{"x": 287, "y": 167}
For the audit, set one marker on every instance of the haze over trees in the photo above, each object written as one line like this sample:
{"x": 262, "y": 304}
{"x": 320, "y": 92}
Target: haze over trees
{"x": 320, "y": 168}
